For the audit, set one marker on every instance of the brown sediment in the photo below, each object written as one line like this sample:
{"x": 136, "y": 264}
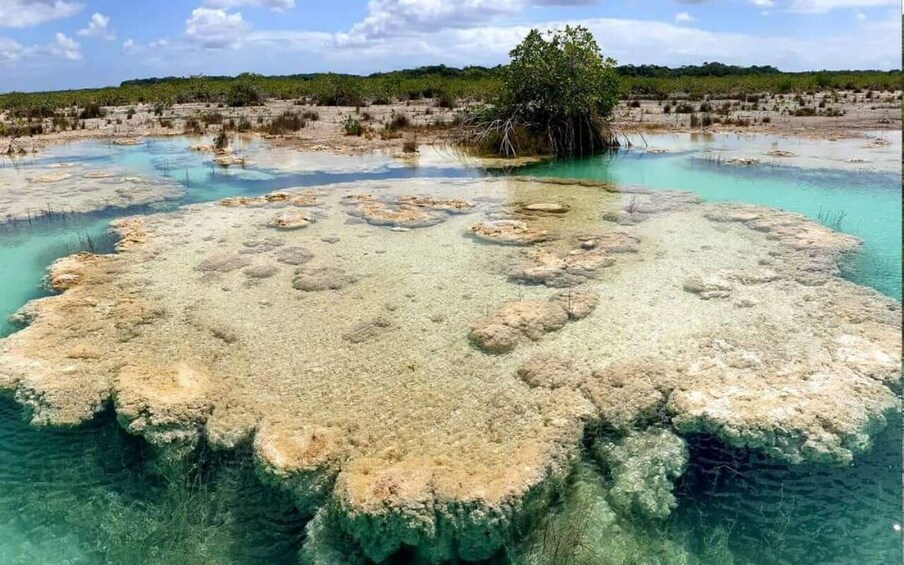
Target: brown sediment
{"x": 399, "y": 428}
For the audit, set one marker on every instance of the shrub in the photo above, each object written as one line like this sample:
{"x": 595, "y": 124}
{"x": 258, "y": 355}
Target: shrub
{"x": 91, "y": 110}
{"x": 352, "y": 126}
{"x": 400, "y": 121}
{"x": 558, "y": 93}
{"x": 684, "y": 108}
{"x": 221, "y": 141}
{"x": 243, "y": 93}
{"x": 410, "y": 145}
{"x": 310, "y": 115}
{"x": 130, "y": 113}
{"x": 445, "y": 100}
{"x": 193, "y": 126}
{"x": 634, "y": 103}
{"x": 212, "y": 118}
{"x": 285, "y": 123}
{"x": 667, "y": 109}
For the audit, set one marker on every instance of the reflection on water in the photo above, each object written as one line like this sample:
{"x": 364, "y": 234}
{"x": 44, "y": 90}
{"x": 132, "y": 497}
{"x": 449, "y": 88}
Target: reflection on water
{"x": 86, "y": 496}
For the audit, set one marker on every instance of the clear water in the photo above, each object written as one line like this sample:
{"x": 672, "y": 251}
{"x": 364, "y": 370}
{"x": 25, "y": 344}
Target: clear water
{"x": 94, "y": 495}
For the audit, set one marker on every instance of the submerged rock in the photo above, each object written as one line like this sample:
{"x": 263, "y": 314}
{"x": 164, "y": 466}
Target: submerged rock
{"x": 291, "y": 220}
{"x": 367, "y": 330}
{"x": 642, "y": 467}
{"x": 509, "y": 232}
{"x": 294, "y": 255}
{"x": 412, "y": 440}
{"x": 528, "y": 320}
{"x": 323, "y": 278}
{"x": 223, "y": 262}
{"x": 404, "y": 211}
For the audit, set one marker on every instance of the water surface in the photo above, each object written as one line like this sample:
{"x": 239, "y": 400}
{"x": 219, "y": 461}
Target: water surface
{"x": 87, "y": 496}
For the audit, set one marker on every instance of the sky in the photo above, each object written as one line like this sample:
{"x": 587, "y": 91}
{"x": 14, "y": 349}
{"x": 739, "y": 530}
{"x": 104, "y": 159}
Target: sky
{"x": 62, "y": 44}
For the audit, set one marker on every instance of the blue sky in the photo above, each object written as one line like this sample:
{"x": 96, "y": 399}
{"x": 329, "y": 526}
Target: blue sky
{"x": 55, "y": 44}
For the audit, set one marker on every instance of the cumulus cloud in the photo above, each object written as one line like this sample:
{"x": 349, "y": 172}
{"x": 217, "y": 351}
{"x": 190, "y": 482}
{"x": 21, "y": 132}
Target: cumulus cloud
{"x": 638, "y": 41}
{"x": 215, "y": 28}
{"x": 27, "y": 13}
{"x": 66, "y": 47}
{"x": 10, "y": 50}
{"x": 275, "y": 5}
{"x": 684, "y": 17}
{"x": 98, "y": 26}
{"x": 386, "y": 18}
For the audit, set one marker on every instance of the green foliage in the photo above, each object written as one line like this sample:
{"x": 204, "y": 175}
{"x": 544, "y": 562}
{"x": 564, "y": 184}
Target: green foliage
{"x": 352, "y": 126}
{"x": 244, "y": 93}
{"x": 557, "y": 94}
{"x": 285, "y": 123}
{"x": 445, "y": 83}
{"x": 91, "y": 110}
{"x": 560, "y": 77}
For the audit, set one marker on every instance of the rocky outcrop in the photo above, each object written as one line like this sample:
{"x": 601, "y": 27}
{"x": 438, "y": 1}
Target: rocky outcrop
{"x": 405, "y": 211}
{"x": 528, "y": 320}
{"x": 400, "y": 434}
{"x": 642, "y": 467}
{"x": 509, "y": 232}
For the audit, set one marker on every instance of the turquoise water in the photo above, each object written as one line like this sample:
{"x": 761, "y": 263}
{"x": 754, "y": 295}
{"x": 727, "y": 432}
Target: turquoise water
{"x": 776, "y": 513}
{"x": 95, "y": 495}
{"x": 870, "y": 201}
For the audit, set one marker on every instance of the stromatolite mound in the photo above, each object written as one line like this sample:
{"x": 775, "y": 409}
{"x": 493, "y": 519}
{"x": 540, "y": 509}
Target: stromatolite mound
{"x": 291, "y": 220}
{"x": 369, "y": 402}
{"x": 406, "y": 211}
{"x": 642, "y": 467}
{"x": 285, "y": 197}
{"x": 312, "y": 279}
{"x": 509, "y": 232}
{"x": 528, "y": 320}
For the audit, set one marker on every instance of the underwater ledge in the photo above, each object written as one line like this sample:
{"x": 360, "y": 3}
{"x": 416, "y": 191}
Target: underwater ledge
{"x": 200, "y": 330}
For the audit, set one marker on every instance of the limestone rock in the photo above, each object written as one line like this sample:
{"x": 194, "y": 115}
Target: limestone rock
{"x": 509, "y": 232}
{"x": 324, "y": 278}
{"x": 642, "y": 467}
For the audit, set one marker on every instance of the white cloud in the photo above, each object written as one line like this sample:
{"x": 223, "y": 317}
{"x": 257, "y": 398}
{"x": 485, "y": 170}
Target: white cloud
{"x": 66, "y": 47}
{"x": 630, "y": 41}
{"x": 275, "y": 5}
{"x": 214, "y": 28}
{"x": 763, "y": 3}
{"x": 27, "y": 13}
{"x": 684, "y": 17}
{"x": 822, "y": 6}
{"x": 98, "y": 26}
{"x": 10, "y": 50}
{"x": 63, "y": 47}
{"x": 386, "y": 18}
{"x": 861, "y": 16}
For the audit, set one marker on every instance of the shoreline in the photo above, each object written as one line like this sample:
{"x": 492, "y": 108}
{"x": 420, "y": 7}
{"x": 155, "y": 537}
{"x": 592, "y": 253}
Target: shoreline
{"x": 426, "y": 123}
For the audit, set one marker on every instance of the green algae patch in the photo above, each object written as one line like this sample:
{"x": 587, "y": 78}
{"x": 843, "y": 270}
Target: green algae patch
{"x": 358, "y": 356}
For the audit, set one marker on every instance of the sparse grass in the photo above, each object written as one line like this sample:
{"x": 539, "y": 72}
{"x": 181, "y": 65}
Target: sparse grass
{"x": 833, "y": 219}
{"x": 287, "y": 122}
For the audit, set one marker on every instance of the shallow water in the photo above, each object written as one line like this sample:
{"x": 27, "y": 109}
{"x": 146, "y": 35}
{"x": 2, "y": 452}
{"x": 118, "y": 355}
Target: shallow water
{"x": 864, "y": 201}
{"x": 85, "y": 496}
